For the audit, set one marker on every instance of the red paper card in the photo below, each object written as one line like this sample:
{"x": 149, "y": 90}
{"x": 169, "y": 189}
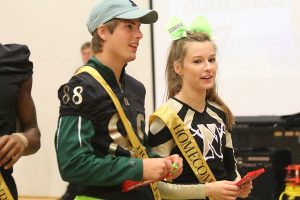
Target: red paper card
{"x": 250, "y": 176}
{"x": 130, "y": 185}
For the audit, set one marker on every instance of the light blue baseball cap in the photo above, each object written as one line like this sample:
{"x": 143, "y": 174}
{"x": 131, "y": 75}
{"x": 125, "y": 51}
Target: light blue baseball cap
{"x": 107, "y": 10}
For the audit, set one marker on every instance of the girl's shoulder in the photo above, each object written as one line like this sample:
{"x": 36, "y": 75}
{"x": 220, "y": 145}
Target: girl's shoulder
{"x": 215, "y": 105}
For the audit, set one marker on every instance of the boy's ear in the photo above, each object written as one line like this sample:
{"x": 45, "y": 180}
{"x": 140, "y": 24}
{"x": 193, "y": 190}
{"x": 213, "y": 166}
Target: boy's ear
{"x": 102, "y": 32}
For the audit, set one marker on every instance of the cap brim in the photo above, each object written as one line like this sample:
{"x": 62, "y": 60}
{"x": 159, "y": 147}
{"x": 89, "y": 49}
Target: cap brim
{"x": 145, "y": 16}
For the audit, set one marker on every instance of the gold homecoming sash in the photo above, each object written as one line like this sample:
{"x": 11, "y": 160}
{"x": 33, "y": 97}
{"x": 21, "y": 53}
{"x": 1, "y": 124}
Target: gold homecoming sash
{"x": 4, "y": 191}
{"x": 136, "y": 144}
{"x": 186, "y": 143}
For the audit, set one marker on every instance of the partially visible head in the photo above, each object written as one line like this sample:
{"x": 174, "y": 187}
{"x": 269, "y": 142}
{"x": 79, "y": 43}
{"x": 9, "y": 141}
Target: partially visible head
{"x": 178, "y": 52}
{"x": 106, "y": 12}
{"x": 86, "y": 52}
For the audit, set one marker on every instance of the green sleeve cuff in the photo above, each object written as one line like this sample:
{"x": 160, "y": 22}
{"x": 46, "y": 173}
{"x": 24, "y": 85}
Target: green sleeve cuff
{"x": 137, "y": 169}
{"x": 153, "y": 155}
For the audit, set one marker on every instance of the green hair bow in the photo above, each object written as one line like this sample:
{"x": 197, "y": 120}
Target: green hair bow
{"x": 177, "y": 29}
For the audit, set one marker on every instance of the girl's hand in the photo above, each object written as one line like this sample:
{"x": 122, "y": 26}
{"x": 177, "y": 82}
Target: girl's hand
{"x": 245, "y": 189}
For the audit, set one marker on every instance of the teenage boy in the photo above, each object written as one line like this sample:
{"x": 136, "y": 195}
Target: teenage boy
{"x": 94, "y": 146}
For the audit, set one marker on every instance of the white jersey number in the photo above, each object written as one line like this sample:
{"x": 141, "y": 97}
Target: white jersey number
{"x": 76, "y": 98}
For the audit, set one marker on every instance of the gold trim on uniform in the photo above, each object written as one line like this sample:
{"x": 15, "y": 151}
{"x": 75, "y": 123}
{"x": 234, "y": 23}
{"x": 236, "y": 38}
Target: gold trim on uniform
{"x": 214, "y": 115}
{"x": 164, "y": 149}
{"x": 188, "y": 119}
{"x": 112, "y": 149}
{"x": 139, "y": 119}
{"x": 115, "y": 135}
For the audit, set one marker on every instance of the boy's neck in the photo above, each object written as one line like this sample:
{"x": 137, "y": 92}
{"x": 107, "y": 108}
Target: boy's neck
{"x": 113, "y": 64}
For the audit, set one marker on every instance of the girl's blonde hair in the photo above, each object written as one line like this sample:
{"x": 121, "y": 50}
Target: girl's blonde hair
{"x": 177, "y": 54}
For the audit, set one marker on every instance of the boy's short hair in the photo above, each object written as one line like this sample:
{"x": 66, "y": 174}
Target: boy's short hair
{"x": 85, "y": 46}
{"x": 97, "y": 41}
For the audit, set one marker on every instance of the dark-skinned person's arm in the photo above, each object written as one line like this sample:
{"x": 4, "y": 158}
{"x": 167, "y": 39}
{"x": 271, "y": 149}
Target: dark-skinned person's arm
{"x": 27, "y": 140}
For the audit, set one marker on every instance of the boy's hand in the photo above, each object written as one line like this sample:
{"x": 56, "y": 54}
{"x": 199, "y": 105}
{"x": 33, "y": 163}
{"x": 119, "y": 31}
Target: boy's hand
{"x": 176, "y": 167}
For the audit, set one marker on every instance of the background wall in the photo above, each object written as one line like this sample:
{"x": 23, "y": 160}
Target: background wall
{"x": 54, "y": 31}
{"x": 258, "y": 51}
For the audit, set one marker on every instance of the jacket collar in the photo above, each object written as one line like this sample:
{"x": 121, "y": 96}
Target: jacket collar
{"x": 105, "y": 71}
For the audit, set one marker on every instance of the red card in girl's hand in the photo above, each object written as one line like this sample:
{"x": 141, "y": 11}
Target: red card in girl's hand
{"x": 250, "y": 176}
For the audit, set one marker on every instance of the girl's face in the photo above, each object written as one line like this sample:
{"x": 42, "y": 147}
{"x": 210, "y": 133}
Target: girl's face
{"x": 199, "y": 68}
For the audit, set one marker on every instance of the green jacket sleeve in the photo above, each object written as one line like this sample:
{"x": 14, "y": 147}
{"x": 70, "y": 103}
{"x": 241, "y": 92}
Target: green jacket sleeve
{"x": 78, "y": 162}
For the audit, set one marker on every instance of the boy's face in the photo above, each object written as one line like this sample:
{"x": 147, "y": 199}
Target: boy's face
{"x": 122, "y": 44}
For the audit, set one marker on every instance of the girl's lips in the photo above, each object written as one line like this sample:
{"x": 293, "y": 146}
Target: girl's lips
{"x": 207, "y": 77}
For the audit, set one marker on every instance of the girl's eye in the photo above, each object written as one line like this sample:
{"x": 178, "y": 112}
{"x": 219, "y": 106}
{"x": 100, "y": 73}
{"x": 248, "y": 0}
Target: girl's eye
{"x": 197, "y": 61}
{"x": 212, "y": 60}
